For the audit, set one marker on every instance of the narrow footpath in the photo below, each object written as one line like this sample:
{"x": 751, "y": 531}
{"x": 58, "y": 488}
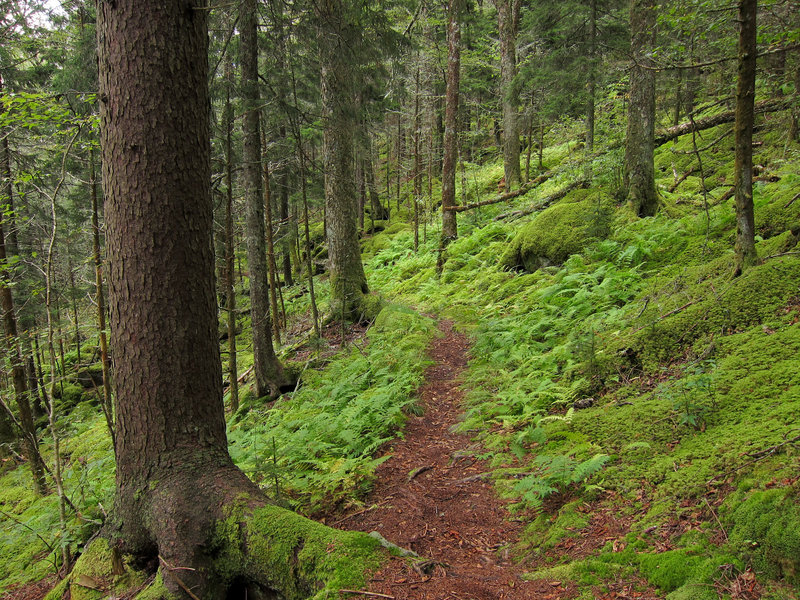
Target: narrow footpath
{"x": 431, "y": 497}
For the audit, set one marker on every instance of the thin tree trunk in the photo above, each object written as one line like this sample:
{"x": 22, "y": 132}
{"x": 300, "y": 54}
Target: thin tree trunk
{"x": 743, "y": 165}
{"x": 509, "y": 98}
{"x": 417, "y": 158}
{"x": 272, "y": 268}
{"x": 639, "y": 177}
{"x": 449, "y": 224}
{"x": 74, "y": 303}
{"x": 307, "y": 235}
{"x": 267, "y": 369}
{"x": 592, "y": 85}
{"x": 108, "y": 409}
{"x": 29, "y": 440}
{"x": 230, "y": 292}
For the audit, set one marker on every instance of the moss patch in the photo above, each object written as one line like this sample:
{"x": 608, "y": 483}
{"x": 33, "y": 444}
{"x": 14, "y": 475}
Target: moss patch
{"x": 561, "y": 230}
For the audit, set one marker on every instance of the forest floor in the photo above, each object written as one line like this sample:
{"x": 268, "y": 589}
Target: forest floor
{"x": 433, "y": 496}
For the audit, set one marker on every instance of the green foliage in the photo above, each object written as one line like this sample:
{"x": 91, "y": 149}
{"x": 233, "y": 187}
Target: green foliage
{"x": 319, "y": 445}
{"x": 553, "y": 474}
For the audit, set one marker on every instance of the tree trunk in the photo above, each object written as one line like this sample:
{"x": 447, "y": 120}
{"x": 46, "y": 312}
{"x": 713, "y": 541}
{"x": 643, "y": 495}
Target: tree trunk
{"x": 347, "y": 280}
{"x": 743, "y": 165}
{"x": 592, "y": 84}
{"x": 230, "y": 292}
{"x": 639, "y": 169}
{"x": 100, "y": 300}
{"x": 449, "y": 225}
{"x": 267, "y": 368}
{"x": 168, "y": 380}
{"x": 29, "y": 440}
{"x": 509, "y": 97}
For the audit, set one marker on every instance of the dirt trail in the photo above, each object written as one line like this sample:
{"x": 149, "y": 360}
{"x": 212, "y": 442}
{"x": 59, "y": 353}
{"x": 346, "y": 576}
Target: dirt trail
{"x": 430, "y": 498}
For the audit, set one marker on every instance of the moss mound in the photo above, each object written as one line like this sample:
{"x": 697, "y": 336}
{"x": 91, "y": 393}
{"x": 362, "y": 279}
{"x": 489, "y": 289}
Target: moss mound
{"x": 561, "y": 230}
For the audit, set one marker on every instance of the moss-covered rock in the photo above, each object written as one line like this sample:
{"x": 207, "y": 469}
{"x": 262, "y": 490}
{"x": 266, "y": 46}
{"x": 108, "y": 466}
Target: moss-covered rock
{"x": 69, "y": 395}
{"x": 561, "y": 230}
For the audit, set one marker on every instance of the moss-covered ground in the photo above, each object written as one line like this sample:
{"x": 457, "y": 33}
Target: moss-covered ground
{"x": 618, "y": 368}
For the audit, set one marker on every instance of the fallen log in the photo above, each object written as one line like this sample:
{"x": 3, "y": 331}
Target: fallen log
{"x": 765, "y": 106}
{"x": 525, "y": 188}
{"x": 544, "y": 202}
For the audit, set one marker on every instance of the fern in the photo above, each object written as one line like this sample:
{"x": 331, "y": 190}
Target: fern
{"x": 587, "y": 468}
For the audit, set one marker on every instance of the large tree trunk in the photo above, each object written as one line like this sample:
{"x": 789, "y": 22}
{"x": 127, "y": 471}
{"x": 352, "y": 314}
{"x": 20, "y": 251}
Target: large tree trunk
{"x": 449, "y": 224}
{"x": 639, "y": 169}
{"x": 168, "y": 380}
{"x": 347, "y": 279}
{"x": 507, "y": 20}
{"x": 267, "y": 368}
{"x": 743, "y": 165}
{"x": 180, "y": 503}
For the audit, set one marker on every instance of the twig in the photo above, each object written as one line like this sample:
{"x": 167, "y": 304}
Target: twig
{"x": 419, "y": 471}
{"x": 171, "y": 569}
{"x": 725, "y": 533}
{"x": 360, "y": 512}
{"x": 374, "y": 594}
{"x": 507, "y": 196}
{"x": 772, "y": 449}
{"x": 757, "y": 457}
{"x": 790, "y": 202}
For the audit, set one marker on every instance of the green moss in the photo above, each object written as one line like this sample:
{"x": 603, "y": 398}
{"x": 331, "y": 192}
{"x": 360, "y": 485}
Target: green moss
{"x": 674, "y": 569}
{"x": 561, "y": 230}
{"x": 69, "y": 395}
{"x": 93, "y": 570}
{"x": 298, "y": 557}
{"x": 156, "y": 590}
{"x": 766, "y": 530}
{"x": 547, "y": 530}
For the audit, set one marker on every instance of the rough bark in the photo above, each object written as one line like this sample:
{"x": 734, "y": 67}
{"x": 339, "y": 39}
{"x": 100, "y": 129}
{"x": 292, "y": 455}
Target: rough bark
{"x": 268, "y": 371}
{"x": 743, "y": 130}
{"x": 347, "y": 279}
{"x": 639, "y": 177}
{"x": 173, "y": 468}
{"x": 449, "y": 224}
{"x": 509, "y": 97}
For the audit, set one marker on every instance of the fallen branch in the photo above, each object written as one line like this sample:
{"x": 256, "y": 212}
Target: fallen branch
{"x": 178, "y": 580}
{"x": 680, "y": 180}
{"x": 507, "y": 196}
{"x": 672, "y": 133}
{"x": 374, "y": 594}
{"x": 544, "y": 202}
{"x": 419, "y": 471}
{"x": 790, "y": 202}
{"x": 757, "y": 456}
